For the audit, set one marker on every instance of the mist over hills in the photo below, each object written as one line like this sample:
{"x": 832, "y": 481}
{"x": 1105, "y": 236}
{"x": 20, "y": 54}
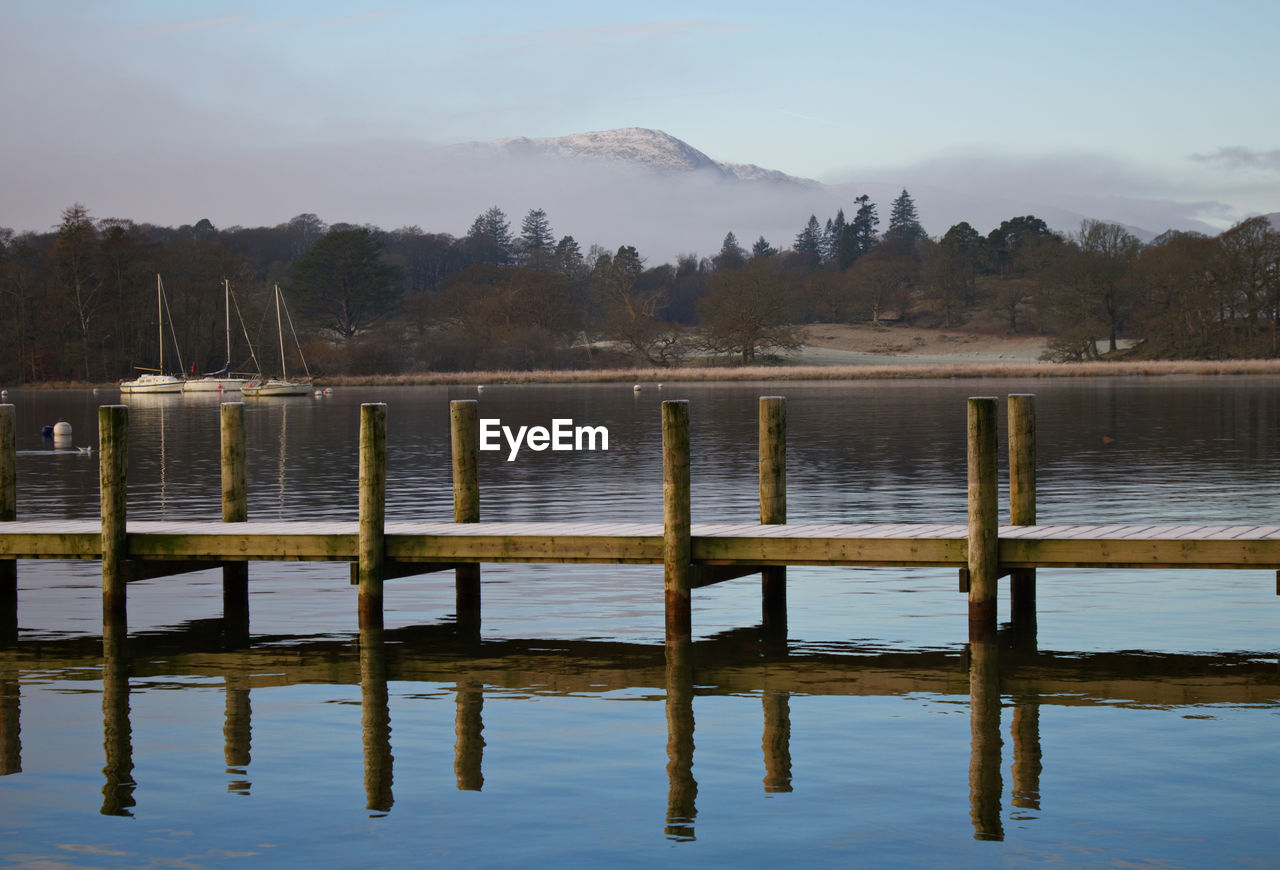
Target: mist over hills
{"x": 630, "y": 186}
{"x": 666, "y": 197}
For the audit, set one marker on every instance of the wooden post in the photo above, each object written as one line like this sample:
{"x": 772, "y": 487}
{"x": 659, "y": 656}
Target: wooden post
{"x": 677, "y": 550}
{"x": 1022, "y": 506}
{"x": 8, "y": 513}
{"x": 464, "y": 436}
{"x": 773, "y": 507}
{"x": 113, "y": 465}
{"x": 373, "y": 508}
{"x": 984, "y": 519}
{"x": 235, "y": 509}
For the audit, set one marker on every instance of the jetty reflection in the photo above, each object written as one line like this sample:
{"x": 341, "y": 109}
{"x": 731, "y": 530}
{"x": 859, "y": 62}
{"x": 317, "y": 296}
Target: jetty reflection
{"x": 1008, "y": 674}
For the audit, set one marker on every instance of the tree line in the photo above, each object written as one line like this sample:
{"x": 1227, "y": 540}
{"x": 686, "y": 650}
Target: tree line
{"x": 80, "y": 300}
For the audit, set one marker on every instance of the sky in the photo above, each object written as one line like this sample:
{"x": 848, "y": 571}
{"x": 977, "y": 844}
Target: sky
{"x": 251, "y": 112}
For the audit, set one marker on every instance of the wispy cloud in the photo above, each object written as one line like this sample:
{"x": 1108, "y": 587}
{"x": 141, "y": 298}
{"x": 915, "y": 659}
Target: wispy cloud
{"x": 1241, "y": 158}
{"x": 586, "y": 36}
{"x": 172, "y": 28}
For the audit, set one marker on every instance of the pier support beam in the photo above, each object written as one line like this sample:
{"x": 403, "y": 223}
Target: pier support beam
{"x": 113, "y": 464}
{"x": 677, "y": 548}
{"x": 984, "y": 519}
{"x": 1022, "y": 505}
{"x": 8, "y": 513}
{"x": 773, "y": 508}
{"x": 373, "y": 509}
{"x": 464, "y": 436}
{"x": 235, "y": 509}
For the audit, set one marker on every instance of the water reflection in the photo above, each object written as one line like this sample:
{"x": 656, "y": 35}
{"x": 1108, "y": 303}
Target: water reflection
{"x": 375, "y": 721}
{"x": 682, "y": 788}
{"x": 117, "y": 742}
{"x": 736, "y": 663}
{"x": 237, "y": 733}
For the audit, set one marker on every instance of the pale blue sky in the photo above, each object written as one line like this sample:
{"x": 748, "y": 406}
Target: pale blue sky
{"x": 1168, "y": 101}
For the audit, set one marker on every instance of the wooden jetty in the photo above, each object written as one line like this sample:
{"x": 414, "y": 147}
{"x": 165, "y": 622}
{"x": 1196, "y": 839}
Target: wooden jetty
{"x": 693, "y": 555}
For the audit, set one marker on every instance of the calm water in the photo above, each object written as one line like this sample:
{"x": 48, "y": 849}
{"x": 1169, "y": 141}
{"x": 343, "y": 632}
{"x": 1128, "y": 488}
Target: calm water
{"x": 1137, "y": 728}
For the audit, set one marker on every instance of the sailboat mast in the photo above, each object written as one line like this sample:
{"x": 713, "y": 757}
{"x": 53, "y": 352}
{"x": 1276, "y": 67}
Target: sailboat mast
{"x": 160, "y": 319}
{"x": 284, "y": 376}
{"x": 226, "y": 289}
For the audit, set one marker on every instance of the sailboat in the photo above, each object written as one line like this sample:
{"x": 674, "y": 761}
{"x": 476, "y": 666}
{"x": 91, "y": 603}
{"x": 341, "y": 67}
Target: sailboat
{"x": 155, "y": 381}
{"x": 221, "y": 380}
{"x": 281, "y": 386}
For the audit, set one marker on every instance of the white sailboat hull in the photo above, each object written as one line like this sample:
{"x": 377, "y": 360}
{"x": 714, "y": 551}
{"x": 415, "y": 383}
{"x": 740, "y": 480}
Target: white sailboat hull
{"x": 213, "y": 385}
{"x": 272, "y": 389}
{"x": 152, "y": 384}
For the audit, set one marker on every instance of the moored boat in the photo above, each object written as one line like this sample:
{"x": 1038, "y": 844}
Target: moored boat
{"x": 155, "y": 380}
{"x": 281, "y": 386}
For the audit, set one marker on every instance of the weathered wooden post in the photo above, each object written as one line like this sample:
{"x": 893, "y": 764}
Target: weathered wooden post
{"x": 1022, "y": 505}
{"x": 984, "y": 519}
{"x": 773, "y": 507}
{"x": 235, "y": 509}
{"x": 8, "y": 513}
{"x": 677, "y": 550}
{"x": 464, "y": 436}
{"x": 113, "y": 464}
{"x": 373, "y": 509}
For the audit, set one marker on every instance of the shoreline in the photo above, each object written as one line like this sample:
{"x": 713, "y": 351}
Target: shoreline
{"x": 879, "y": 371}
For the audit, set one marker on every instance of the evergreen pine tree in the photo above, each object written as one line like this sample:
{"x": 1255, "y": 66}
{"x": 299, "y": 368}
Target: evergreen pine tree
{"x": 809, "y": 241}
{"x": 904, "y": 223}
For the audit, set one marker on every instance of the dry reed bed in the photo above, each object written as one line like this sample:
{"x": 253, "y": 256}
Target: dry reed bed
{"x": 1153, "y": 368}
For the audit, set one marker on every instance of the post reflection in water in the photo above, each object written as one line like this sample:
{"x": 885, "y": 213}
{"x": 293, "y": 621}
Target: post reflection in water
{"x": 117, "y": 745}
{"x": 468, "y": 750}
{"x": 1026, "y": 753}
{"x": 375, "y": 720}
{"x": 682, "y": 788}
{"x": 985, "y": 782}
{"x": 725, "y": 667}
{"x": 777, "y": 740}
{"x": 237, "y": 730}
{"x": 10, "y": 727}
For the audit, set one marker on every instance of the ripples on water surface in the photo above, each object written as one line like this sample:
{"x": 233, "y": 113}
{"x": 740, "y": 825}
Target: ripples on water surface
{"x": 565, "y": 735}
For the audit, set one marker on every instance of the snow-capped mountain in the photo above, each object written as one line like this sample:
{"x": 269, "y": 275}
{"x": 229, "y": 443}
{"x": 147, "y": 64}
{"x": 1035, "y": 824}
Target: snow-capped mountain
{"x": 637, "y": 147}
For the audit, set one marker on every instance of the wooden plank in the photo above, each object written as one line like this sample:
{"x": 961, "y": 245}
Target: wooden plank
{"x": 1150, "y": 553}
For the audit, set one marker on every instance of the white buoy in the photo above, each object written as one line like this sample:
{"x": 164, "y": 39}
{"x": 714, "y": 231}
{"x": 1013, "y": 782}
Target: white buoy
{"x": 636, "y": 388}
{"x": 479, "y": 388}
{"x": 62, "y": 429}
{"x": 319, "y": 393}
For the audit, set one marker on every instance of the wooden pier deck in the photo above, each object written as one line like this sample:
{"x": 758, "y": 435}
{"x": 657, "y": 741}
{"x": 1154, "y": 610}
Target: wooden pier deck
{"x": 441, "y": 545}
{"x": 693, "y": 554}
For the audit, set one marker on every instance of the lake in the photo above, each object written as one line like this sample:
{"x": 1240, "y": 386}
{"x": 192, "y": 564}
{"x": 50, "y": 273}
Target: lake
{"x": 1138, "y": 726}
